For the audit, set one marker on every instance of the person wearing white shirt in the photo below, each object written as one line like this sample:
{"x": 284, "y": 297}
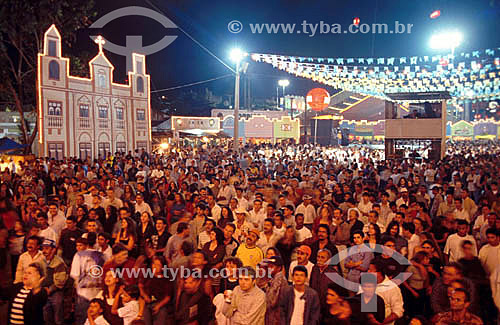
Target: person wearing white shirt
{"x": 130, "y": 308}
{"x": 411, "y": 237}
{"x": 157, "y": 172}
{"x": 87, "y": 286}
{"x": 453, "y": 248}
{"x": 460, "y": 212}
{"x": 88, "y": 198}
{"x": 257, "y": 214}
{"x": 141, "y": 206}
{"x": 226, "y": 192}
{"x": 404, "y": 199}
{"x": 95, "y": 313}
{"x": 279, "y": 226}
{"x": 215, "y": 209}
{"x": 32, "y": 255}
{"x": 390, "y": 293}
{"x": 56, "y": 218}
{"x": 142, "y": 173}
{"x": 45, "y": 232}
{"x": 385, "y": 210}
{"x": 429, "y": 175}
{"x": 308, "y": 210}
{"x": 242, "y": 201}
{"x": 489, "y": 254}
{"x": 268, "y": 238}
{"x": 103, "y": 246}
{"x": 111, "y": 199}
{"x": 301, "y": 232}
{"x": 480, "y": 221}
{"x": 365, "y": 206}
{"x": 204, "y": 236}
{"x": 303, "y": 254}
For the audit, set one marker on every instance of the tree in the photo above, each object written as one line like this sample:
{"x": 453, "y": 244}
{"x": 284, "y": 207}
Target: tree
{"x": 22, "y": 25}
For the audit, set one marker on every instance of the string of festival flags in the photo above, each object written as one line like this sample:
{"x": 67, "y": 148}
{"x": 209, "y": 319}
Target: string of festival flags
{"x": 471, "y": 76}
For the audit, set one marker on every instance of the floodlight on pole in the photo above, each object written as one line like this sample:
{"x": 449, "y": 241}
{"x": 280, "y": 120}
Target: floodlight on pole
{"x": 237, "y": 55}
{"x": 283, "y": 83}
{"x": 446, "y": 40}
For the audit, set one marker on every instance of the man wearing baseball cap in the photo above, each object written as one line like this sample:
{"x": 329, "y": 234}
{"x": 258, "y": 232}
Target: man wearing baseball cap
{"x": 249, "y": 253}
{"x": 303, "y": 255}
{"x": 56, "y": 276}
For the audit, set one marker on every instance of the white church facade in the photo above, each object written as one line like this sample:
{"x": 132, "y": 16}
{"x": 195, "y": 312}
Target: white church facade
{"x": 90, "y": 117}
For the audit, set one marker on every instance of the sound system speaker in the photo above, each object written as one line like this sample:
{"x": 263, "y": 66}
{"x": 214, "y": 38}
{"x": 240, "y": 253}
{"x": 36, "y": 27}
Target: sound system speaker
{"x": 344, "y": 141}
{"x": 324, "y": 132}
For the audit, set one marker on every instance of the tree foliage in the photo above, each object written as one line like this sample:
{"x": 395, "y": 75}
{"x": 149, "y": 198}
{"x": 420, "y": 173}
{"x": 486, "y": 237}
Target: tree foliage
{"x": 22, "y": 26}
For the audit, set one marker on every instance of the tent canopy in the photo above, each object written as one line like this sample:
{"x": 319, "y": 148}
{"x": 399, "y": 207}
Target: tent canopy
{"x": 7, "y": 144}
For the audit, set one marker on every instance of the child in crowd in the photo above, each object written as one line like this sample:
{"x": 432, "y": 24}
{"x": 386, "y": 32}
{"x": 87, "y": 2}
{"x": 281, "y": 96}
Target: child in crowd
{"x": 130, "y": 309}
{"x": 95, "y": 313}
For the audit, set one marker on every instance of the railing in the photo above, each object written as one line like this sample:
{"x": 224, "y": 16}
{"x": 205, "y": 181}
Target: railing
{"x": 103, "y": 123}
{"x": 84, "y": 123}
{"x": 55, "y": 121}
{"x": 120, "y": 124}
{"x": 141, "y": 125}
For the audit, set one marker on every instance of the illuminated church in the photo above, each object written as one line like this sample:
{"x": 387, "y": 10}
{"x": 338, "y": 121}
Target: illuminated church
{"x": 90, "y": 117}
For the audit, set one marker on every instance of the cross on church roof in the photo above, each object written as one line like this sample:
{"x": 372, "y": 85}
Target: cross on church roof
{"x": 100, "y": 41}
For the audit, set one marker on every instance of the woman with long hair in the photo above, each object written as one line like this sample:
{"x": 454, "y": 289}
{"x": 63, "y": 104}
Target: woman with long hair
{"x": 145, "y": 230}
{"x": 393, "y": 231}
{"x": 215, "y": 249}
{"x": 272, "y": 251}
{"x": 110, "y": 287}
{"x": 127, "y": 235}
{"x": 110, "y": 218}
{"x": 325, "y": 216}
{"x": 18, "y": 196}
{"x": 128, "y": 193}
{"x": 5, "y": 191}
{"x": 226, "y": 216}
{"x": 372, "y": 236}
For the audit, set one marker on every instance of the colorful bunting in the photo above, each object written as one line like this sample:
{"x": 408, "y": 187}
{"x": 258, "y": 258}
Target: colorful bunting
{"x": 478, "y": 70}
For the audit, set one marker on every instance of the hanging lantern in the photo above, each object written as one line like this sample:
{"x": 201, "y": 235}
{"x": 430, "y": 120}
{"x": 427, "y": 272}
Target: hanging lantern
{"x": 356, "y": 21}
{"x": 318, "y": 99}
{"x": 435, "y": 14}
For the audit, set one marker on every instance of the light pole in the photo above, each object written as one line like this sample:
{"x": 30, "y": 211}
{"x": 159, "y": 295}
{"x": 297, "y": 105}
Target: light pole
{"x": 236, "y": 56}
{"x": 283, "y": 83}
{"x": 448, "y": 40}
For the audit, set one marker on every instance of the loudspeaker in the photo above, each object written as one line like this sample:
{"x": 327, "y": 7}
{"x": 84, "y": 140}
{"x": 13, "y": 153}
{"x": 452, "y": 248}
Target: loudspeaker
{"x": 344, "y": 141}
{"x": 324, "y": 132}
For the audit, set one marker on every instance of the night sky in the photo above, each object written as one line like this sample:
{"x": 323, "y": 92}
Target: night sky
{"x": 207, "y": 21}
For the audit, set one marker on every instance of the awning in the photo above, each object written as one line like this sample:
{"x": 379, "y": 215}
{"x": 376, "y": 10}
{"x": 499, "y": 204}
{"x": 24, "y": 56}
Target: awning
{"x": 7, "y": 144}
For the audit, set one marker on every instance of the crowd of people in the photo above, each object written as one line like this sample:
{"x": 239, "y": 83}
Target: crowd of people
{"x": 343, "y": 237}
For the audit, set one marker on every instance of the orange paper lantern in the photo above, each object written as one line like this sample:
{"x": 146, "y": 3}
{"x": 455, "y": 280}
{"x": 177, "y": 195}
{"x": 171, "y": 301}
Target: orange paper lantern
{"x": 318, "y": 99}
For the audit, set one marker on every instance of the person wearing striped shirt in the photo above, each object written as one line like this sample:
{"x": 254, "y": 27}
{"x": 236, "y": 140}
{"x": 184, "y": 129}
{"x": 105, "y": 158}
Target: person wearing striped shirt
{"x": 26, "y": 299}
